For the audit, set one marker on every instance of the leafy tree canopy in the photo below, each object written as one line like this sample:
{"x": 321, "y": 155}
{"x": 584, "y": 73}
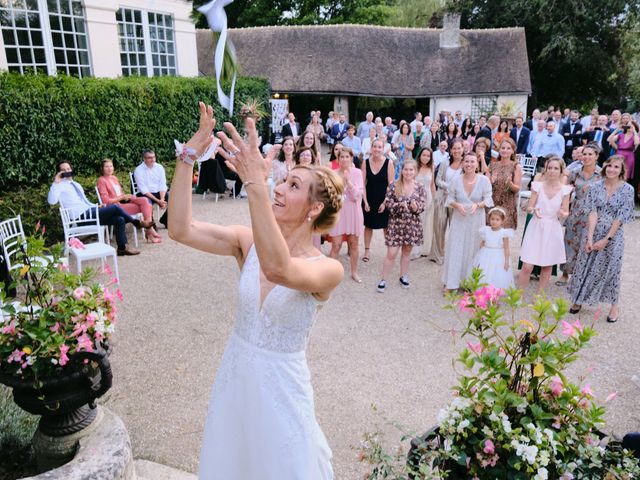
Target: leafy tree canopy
{"x": 573, "y": 45}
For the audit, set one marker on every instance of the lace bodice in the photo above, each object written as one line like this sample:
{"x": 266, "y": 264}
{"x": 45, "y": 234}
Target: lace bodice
{"x": 285, "y": 319}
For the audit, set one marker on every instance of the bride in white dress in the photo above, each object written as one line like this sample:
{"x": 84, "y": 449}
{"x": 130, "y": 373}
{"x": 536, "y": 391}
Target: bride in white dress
{"x": 261, "y": 422}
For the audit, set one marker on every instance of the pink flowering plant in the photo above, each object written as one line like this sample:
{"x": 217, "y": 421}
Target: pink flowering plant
{"x": 514, "y": 415}
{"x": 54, "y": 313}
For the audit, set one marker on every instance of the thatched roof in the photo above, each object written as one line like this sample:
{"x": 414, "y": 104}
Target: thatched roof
{"x": 377, "y": 61}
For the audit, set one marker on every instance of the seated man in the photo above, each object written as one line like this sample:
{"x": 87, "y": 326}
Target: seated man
{"x": 152, "y": 182}
{"x": 70, "y": 194}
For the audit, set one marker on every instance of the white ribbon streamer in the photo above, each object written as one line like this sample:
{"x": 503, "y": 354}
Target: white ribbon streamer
{"x": 217, "y": 19}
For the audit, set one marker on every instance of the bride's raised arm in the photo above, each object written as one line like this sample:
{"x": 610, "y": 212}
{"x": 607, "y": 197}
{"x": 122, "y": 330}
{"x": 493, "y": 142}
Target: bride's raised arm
{"x": 310, "y": 199}
{"x": 232, "y": 240}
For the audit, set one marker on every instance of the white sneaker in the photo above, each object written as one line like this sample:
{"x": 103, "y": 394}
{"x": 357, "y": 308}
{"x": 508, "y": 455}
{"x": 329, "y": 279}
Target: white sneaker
{"x": 381, "y": 286}
{"x": 404, "y": 282}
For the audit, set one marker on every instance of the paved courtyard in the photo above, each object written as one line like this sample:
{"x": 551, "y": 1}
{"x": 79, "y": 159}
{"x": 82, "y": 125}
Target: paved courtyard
{"x": 365, "y": 349}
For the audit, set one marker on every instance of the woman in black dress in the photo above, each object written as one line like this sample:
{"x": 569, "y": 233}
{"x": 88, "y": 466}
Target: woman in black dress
{"x": 378, "y": 173}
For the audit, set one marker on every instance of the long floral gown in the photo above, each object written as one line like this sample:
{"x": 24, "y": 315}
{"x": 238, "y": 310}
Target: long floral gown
{"x": 596, "y": 275}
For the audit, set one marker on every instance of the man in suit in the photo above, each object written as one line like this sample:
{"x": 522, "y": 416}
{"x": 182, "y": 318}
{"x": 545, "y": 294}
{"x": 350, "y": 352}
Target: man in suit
{"x": 599, "y": 136}
{"x": 339, "y": 130}
{"x": 535, "y": 116}
{"x": 520, "y": 135}
{"x": 557, "y": 118}
{"x": 572, "y": 133}
{"x": 291, "y": 128}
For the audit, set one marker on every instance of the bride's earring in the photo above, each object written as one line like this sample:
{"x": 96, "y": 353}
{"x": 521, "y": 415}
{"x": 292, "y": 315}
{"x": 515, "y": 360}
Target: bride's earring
{"x": 308, "y": 219}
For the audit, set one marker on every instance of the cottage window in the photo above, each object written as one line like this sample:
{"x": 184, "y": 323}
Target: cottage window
{"x": 147, "y": 43}
{"x": 45, "y": 36}
{"x": 483, "y": 106}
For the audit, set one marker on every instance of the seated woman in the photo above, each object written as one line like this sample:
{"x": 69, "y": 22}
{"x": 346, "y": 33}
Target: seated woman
{"x": 111, "y": 193}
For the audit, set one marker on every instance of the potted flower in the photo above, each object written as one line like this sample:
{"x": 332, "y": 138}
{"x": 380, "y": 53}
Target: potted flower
{"x": 515, "y": 415}
{"x": 54, "y": 338}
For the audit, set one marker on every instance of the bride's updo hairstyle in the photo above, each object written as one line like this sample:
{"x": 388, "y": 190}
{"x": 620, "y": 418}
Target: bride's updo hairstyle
{"x": 326, "y": 188}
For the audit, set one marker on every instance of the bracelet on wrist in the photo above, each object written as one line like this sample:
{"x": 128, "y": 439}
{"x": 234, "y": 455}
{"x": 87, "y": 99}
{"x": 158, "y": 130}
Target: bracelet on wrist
{"x": 189, "y": 155}
{"x": 246, "y": 184}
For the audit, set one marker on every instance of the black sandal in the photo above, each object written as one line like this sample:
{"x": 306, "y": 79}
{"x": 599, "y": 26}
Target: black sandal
{"x": 613, "y": 320}
{"x": 575, "y": 309}
{"x": 365, "y": 257}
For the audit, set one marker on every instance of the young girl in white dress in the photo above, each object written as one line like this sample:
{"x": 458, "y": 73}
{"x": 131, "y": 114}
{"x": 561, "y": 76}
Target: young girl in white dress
{"x": 494, "y": 255}
{"x": 261, "y": 422}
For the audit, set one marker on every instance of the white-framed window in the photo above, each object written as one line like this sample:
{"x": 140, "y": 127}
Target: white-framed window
{"x": 147, "y": 43}
{"x": 46, "y": 36}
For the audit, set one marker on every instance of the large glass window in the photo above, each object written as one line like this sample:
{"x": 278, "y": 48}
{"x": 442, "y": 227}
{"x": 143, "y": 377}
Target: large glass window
{"x": 147, "y": 45}
{"x": 47, "y": 36}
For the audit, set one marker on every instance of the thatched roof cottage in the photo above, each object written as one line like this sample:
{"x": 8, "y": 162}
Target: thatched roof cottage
{"x": 471, "y": 70}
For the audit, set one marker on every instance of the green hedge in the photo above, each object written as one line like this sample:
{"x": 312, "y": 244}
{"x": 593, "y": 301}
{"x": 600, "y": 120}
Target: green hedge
{"x": 48, "y": 119}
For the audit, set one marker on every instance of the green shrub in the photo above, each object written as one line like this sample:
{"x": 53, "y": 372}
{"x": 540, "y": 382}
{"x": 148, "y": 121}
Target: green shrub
{"x": 48, "y": 119}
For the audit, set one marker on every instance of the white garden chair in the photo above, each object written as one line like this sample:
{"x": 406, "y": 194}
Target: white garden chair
{"x": 85, "y": 225}
{"x": 528, "y": 165}
{"x": 12, "y": 238}
{"x": 109, "y": 229}
{"x": 135, "y": 191}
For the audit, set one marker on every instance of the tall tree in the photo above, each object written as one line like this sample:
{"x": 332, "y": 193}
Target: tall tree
{"x": 572, "y": 45}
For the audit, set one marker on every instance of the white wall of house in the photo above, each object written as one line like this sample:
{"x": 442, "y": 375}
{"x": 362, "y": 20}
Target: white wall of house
{"x": 102, "y": 34}
{"x": 463, "y": 103}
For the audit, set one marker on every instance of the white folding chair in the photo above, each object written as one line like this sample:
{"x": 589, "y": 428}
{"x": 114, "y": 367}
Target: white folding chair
{"x": 12, "y": 238}
{"x": 87, "y": 224}
{"x": 109, "y": 229}
{"x": 135, "y": 191}
{"x": 528, "y": 165}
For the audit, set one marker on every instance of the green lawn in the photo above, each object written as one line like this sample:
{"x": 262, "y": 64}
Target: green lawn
{"x": 16, "y": 430}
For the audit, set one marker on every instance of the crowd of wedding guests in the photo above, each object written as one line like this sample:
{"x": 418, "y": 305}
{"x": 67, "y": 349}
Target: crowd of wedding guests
{"x": 448, "y": 188}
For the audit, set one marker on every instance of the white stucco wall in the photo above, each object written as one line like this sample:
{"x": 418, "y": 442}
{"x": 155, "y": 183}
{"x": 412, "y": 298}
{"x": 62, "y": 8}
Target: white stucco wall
{"x": 103, "y": 34}
{"x": 463, "y": 103}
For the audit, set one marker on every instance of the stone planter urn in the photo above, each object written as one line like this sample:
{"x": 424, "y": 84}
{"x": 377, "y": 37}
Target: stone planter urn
{"x": 66, "y": 404}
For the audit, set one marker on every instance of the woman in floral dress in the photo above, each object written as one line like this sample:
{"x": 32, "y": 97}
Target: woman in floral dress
{"x": 405, "y": 202}
{"x": 596, "y": 275}
{"x": 578, "y": 218}
{"x": 506, "y": 175}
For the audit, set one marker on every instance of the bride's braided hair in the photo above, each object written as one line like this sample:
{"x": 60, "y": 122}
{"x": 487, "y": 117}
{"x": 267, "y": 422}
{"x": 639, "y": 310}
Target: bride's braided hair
{"x": 327, "y": 188}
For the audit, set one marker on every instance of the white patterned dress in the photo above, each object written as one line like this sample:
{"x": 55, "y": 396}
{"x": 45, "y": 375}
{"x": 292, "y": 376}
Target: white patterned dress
{"x": 261, "y": 422}
{"x": 463, "y": 241}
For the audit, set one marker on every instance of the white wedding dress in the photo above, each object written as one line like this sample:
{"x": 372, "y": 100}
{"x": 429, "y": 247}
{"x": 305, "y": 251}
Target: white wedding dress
{"x": 261, "y": 423}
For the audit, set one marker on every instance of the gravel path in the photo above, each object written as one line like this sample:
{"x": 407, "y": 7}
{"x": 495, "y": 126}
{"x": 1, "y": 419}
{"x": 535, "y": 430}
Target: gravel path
{"x": 366, "y": 348}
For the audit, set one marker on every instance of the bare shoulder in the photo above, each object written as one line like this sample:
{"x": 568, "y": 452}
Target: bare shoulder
{"x": 333, "y": 273}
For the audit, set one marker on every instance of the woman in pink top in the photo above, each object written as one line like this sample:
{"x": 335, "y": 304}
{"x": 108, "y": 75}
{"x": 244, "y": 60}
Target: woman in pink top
{"x": 111, "y": 193}
{"x": 351, "y": 221}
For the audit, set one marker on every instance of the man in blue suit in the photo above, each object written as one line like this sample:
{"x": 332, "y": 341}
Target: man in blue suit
{"x": 339, "y": 130}
{"x": 520, "y": 135}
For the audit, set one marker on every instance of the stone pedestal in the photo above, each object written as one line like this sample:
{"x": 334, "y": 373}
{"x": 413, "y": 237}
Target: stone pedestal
{"x": 102, "y": 450}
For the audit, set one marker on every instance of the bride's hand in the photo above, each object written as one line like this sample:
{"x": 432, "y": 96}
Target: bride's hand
{"x": 244, "y": 156}
{"x": 202, "y": 139}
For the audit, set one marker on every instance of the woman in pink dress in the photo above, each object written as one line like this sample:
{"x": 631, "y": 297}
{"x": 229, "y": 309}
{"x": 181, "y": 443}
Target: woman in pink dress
{"x": 351, "y": 220}
{"x": 111, "y": 193}
{"x": 624, "y": 140}
{"x": 543, "y": 242}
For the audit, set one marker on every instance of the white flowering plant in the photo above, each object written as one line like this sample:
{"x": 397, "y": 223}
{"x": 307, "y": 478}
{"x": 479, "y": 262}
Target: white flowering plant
{"x": 53, "y": 313}
{"x": 515, "y": 415}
